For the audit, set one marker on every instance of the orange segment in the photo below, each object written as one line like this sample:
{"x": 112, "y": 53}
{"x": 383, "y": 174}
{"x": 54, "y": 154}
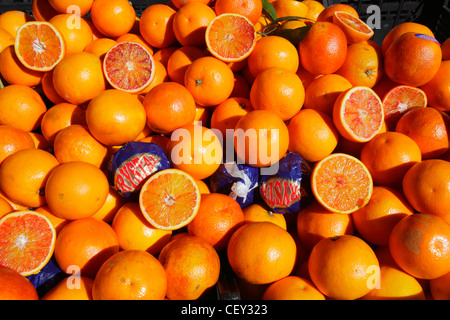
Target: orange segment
{"x": 230, "y": 37}
{"x": 169, "y": 199}
{"x": 39, "y": 45}
{"x": 354, "y": 28}
{"x": 399, "y": 100}
{"x": 358, "y": 114}
{"x": 27, "y": 241}
{"x": 341, "y": 183}
{"x": 129, "y": 66}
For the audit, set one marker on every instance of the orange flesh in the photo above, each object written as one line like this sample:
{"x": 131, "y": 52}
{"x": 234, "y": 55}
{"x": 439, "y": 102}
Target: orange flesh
{"x": 129, "y": 66}
{"x": 169, "y": 199}
{"x": 231, "y": 37}
{"x": 403, "y": 98}
{"x": 342, "y": 183}
{"x": 363, "y": 113}
{"x": 39, "y": 46}
{"x": 25, "y": 242}
{"x": 353, "y": 22}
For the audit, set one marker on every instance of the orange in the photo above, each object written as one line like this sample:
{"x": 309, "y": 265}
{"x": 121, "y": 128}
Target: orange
{"x": 278, "y": 90}
{"x": 227, "y": 114}
{"x": 76, "y": 189}
{"x": 11, "y": 20}
{"x": 163, "y": 54}
{"x": 57, "y": 222}
{"x": 77, "y": 289}
{"x": 5, "y": 207}
{"x": 130, "y": 275}
{"x": 218, "y": 216}
{"x": 315, "y": 223}
{"x": 115, "y": 117}
{"x": 113, "y": 18}
{"x": 440, "y": 287}
{"x": 426, "y": 187}
{"x": 39, "y": 45}
{"x": 323, "y": 49}
{"x": 28, "y": 241}
{"x": 202, "y": 186}
{"x": 159, "y": 139}
{"x": 328, "y": 13}
{"x": 437, "y": 89}
{"x": 322, "y": 92}
{"x": 23, "y": 176}
{"x": 159, "y": 77}
{"x": 292, "y": 288}
{"x": 285, "y": 8}
{"x": 129, "y": 66}
{"x": 261, "y": 252}
{"x": 156, "y": 25}
{"x": 179, "y": 61}
{"x": 429, "y": 128}
{"x": 341, "y": 183}
{"x": 6, "y": 39}
{"x": 100, "y": 46}
{"x": 169, "y": 199}
{"x": 257, "y": 212}
{"x": 136, "y": 233}
{"x": 354, "y": 28}
{"x": 131, "y": 37}
{"x": 388, "y": 156}
{"x": 312, "y": 135}
{"x": 363, "y": 65}
{"x": 60, "y": 116}
{"x": 420, "y": 245}
{"x": 413, "y": 59}
{"x": 402, "y": 28}
{"x": 375, "y": 221}
{"x": 180, "y": 3}
{"x": 14, "y": 205}
{"x": 190, "y": 22}
{"x": 49, "y": 90}
{"x": 62, "y": 6}
{"x": 358, "y": 114}
{"x": 315, "y": 8}
{"x": 192, "y": 267}
{"x": 169, "y": 106}
{"x": 273, "y": 51}
{"x": 12, "y": 140}
{"x": 446, "y": 49}
{"x": 251, "y": 9}
{"x": 399, "y": 100}
{"x": 114, "y": 201}
{"x": 39, "y": 141}
{"x": 79, "y": 78}
{"x": 340, "y": 267}
{"x": 42, "y": 10}
{"x": 14, "y": 286}
{"x": 196, "y": 150}
{"x": 230, "y": 37}
{"x": 85, "y": 243}
{"x": 261, "y": 138}
{"x": 209, "y": 80}
{"x": 14, "y": 72}
{"x": 76, "y": 33}
{"x": 76, "y": 143}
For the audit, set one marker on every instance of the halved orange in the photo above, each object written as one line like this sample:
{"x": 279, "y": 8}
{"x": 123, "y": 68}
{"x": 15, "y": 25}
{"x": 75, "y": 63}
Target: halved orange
{"x": 27, "y": 241}
{"x": 39, "y": 45}
{"x": 169, "y": 199}
{"x": 355, "y": 29}
{"x": 358, "y": 114}
{"x": 129, "y": 66}
{"x": 230, "y": 37}
{"x": 341, "y": 183}
{"x": 399, "y": 100}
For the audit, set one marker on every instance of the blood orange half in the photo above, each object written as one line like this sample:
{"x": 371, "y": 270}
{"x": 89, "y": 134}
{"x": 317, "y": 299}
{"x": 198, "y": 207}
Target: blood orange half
{"x": 169, "y": 199}
{"x": 27, "y": 241}
{"x": 230, "y": 37}
{"x": 39, "y": 45}
{"x": 358, "y": 114}
{"x": 129, "y": 66}
{"x": 354, "y": 28}
{"x": 399, "y": 100}
{"x": 341, "y": 183}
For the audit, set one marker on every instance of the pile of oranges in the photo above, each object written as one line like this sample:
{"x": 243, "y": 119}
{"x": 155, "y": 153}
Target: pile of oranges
{"x": 372, "y": 120}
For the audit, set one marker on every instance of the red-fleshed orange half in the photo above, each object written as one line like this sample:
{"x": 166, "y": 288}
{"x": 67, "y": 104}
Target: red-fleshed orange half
{"x": 355, "y": 29}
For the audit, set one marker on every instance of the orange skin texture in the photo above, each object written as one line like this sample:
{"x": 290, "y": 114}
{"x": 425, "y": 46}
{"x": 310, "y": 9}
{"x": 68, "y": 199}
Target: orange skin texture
{"x": 14, "y": 286}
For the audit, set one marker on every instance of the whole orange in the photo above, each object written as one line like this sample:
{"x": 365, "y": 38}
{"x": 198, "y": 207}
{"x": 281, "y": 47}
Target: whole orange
{"x": 438, "y": 88}
{"x": 328, "y": 12}
{"x": 12, "y": 140}
{"x": 192, "y": 266}
{"x": 11, "y": 20}
{"x": 77, "y": 33}
{"x": 14, "y": 286}
{"x": 226, "y": 115}
{"x": 252, "y": 9}
{"x": 420, "y": 245}
{"x": 402, "y": 28}
{"x": 130, "y": 275}
{"x": 113, "y": 18}
{"x": 85, "y": 243}
{"x": 261, "y": 252}
{"x": 156, "y": 25}
{"x": 84, "y": 6}
{"x": 14, "y": 72}
{"x": 218, "y": 217}
{"x": 257, "y": 212}
{"x": 341, "y": 267}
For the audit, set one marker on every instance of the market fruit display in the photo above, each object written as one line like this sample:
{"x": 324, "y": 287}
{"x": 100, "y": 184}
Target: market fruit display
{"x": 169, "y": 153}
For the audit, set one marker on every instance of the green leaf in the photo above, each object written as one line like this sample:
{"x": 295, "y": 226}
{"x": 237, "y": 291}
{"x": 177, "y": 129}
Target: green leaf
{"x": 269, "y": 10}
{"x": 294, "y": 35}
